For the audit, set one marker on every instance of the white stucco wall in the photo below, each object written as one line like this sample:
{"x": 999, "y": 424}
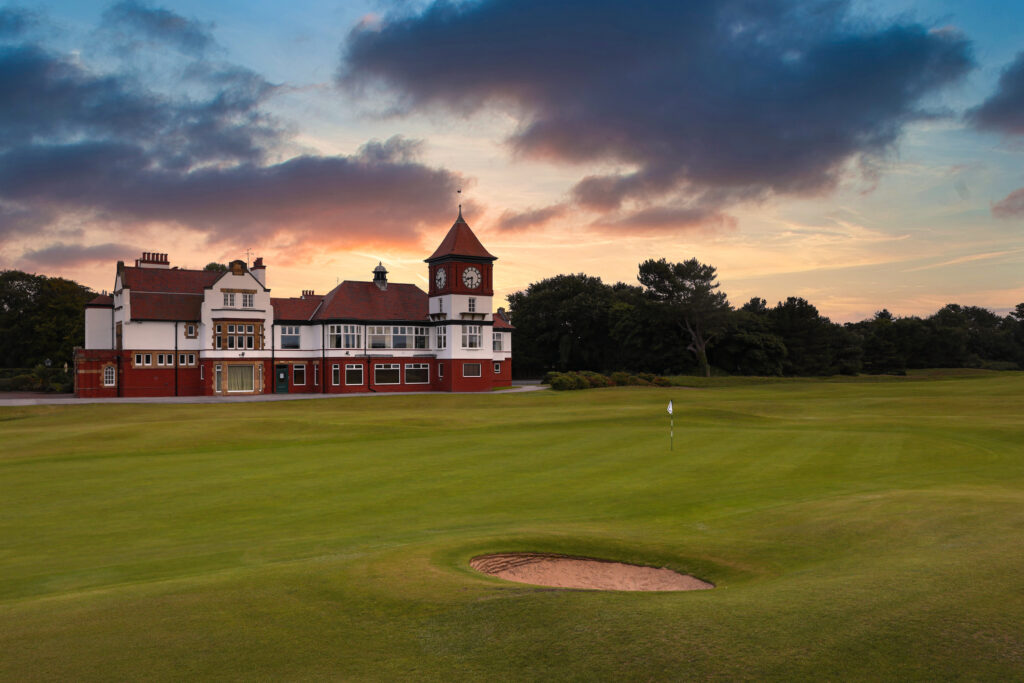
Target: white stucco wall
{"x": 99, "y": 328}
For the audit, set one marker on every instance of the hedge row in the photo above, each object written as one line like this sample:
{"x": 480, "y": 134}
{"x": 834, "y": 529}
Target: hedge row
{"x": 39, "y": 378}
{"x": 566, "y": 381}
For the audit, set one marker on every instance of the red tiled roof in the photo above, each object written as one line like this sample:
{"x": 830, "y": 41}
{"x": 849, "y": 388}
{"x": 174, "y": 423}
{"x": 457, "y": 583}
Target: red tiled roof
{"x": 101, "y": 301}
{"x": 460, "y": 241}
{"x": 295, "y": 308}
{"x": 150, "y": 306}
{"x": 501, "y": 323}
{"x": 365, "y": 301}
{"x": 168, "y": 281}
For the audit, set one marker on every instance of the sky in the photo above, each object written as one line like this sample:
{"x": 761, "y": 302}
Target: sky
{"x": 862, "y": 155}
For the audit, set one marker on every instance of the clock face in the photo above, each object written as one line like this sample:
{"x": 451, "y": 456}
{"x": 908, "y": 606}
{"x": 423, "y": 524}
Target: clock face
{"x": 471, "y": 277}
{"x": 440, "y": 278}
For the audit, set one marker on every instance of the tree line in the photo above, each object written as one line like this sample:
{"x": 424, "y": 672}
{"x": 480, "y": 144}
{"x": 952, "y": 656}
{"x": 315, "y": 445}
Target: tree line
{"x": 677, "y": 321}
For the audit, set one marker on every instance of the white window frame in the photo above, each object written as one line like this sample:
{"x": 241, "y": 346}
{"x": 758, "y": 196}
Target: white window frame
{"x": 417, "y": 366}
{"x": 471, "y": 304}
{"x": 291, "y": 331}
{"x": 378, "y": 331}
{"x": 352, "y": 336}
{"x": 248, "y": 300}
{"x": 440, "y": 370}
{"x": 218, "y": 378}
{"x": 497, "y": 341}
{"x": 229, "y": 299}
{"x": 316, "y": 374}
{"x": 149, "y": 359}
{"x": 335, "y": 339}
{"x": 471, "y": 334}
{"x": 296, "y": 367}
{"x": 387, "y": 366}
{"x": 252, "y": 368}
{"x": 479, "y": 369}
{"x": 497, "y": 367}
{"x": 335, "y": 374}
{"x": 138, "y": 360}
{"x": 109, "y": 376}
{"x": 442, "y": 337}
{"x": 349, "y": 367}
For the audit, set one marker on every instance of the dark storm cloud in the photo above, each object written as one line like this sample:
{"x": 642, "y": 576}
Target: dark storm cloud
{"x": 77, "y": 142}
{"x": 750, "y": 98}
{"x": 159, "y": 25}
{"x": 1003, "y": 112}
{"x": 64, "y": 255}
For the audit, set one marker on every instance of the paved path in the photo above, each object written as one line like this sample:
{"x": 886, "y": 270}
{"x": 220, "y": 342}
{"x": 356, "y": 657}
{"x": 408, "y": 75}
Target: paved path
{"x": 67, "y": 400}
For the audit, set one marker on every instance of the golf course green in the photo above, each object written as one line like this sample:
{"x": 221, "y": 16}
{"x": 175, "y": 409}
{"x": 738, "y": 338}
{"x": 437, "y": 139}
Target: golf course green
{"x": 868, "y": 529}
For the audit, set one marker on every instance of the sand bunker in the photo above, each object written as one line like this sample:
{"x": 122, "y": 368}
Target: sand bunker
{"x": 542, "y": 569}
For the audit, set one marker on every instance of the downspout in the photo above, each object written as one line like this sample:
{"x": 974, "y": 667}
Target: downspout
{"x": 323, "y": 360}
{"x": 273, "y": 346}
{"x": 175, "y": 357}
{"x": 369, "y": 365}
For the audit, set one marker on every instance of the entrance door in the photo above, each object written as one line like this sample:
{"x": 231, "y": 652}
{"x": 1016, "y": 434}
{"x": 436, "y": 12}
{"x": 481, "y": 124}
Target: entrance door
{"x": 281, "y": 381}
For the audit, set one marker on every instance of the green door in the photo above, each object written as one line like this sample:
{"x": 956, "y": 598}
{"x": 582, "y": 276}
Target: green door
{"x": 281, "y": 379}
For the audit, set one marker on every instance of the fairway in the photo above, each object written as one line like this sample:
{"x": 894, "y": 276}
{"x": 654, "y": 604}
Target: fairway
{"x": 854, "y": 529}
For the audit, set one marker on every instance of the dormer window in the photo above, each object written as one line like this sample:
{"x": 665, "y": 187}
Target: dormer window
{"x": 247, "y": 300}
{"x": 229, "y": 299}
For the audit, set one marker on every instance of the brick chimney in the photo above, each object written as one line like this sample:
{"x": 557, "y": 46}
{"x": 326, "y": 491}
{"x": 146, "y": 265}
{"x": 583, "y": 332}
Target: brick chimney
{"x": 152, "y": 259}
{"x": 259, "y": 271}
{"x": 307, "y": 294}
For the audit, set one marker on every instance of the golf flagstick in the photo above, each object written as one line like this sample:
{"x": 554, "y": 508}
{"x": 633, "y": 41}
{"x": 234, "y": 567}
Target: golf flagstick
{"x": 671, "y": 425}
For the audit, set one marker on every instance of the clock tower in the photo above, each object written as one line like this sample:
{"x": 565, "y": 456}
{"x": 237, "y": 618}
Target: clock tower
{"x": 461, "y": 265}
{"x": 460, "y": 304}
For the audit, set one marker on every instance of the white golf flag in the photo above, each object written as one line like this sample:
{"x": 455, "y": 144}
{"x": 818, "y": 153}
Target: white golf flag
{"x": 670, "y": 407}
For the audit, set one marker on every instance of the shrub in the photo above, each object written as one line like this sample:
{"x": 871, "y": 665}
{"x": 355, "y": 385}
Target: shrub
{"x": 661, "y": 382}
{"x": 560, "y": 381}
{"x": 548, "y": 376}
{"x": 5, "y": 383}
{"x": 25, "y": 383}
{"x": 620, "y": 379}
{"x": 637, "y": 381}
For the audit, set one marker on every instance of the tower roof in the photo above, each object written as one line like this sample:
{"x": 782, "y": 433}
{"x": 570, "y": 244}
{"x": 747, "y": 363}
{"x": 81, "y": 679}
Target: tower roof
{"x": 460, "y": 241}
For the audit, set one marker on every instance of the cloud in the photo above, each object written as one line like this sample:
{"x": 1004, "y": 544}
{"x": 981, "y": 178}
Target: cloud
{"x": 512, "y": 220}
{"x": 1011, "y": 206}
{"x": 14, "y": 21}
{"x": 325, "y": 197}
{"x": 65, "y": 255}
{"x": 661, "y": 218}
{"x": 1003, "y": 111}
{"x": 113, "y": 148}
{"x": 158, "y": 25}
{"x": 746, "y": 99}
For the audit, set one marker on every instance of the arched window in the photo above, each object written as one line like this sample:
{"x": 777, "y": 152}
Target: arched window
{"x": 109, "y": 376}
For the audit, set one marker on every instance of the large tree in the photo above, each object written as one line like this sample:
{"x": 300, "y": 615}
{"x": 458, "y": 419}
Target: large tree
{"x": 41, "y": 319}
{"x": 689, "y": 291}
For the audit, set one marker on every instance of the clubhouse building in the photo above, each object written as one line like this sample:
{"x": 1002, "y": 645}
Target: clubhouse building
{"x": 175, "y": 332}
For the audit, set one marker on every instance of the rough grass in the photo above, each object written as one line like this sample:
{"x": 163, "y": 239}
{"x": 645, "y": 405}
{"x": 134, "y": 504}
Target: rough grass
{"x": 854, "y": 530}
